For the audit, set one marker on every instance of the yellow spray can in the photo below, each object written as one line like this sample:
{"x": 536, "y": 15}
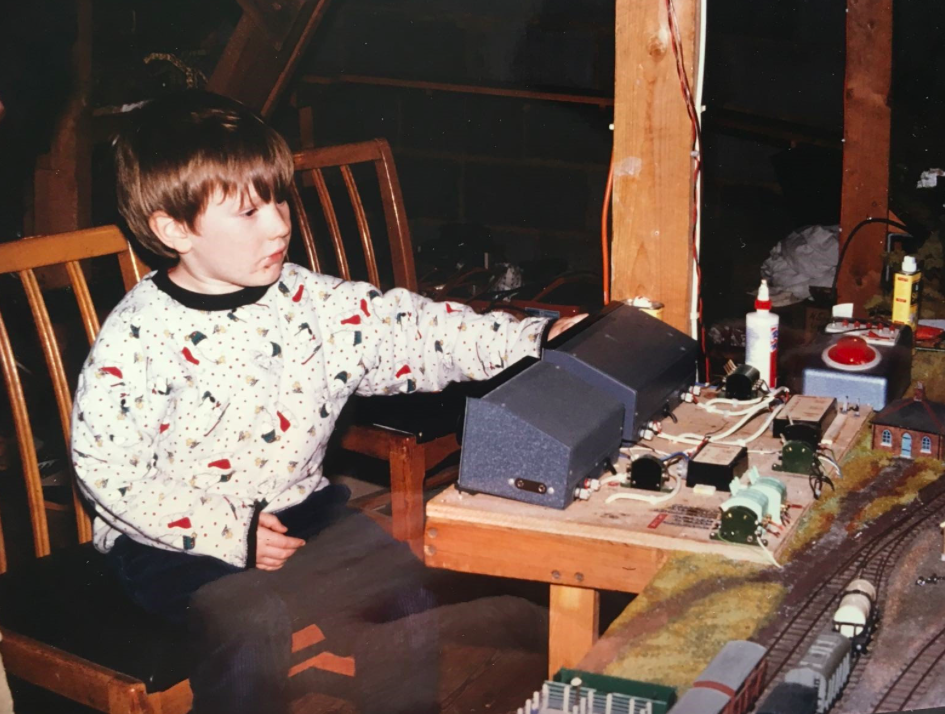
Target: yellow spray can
{"x": 906, "y": 290}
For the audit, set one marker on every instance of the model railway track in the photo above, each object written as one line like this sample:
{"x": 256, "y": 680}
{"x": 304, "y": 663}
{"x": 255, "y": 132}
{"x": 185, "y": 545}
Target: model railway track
{"x": 914, "y": 675}
{"x": 870, "y": 560}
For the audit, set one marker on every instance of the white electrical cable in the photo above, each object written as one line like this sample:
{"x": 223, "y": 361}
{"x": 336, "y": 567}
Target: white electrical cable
{"x": 760, "y": 544}
{"x": 769, "y": 554}
{"x": 722, "y": 400}
{"x": 762, "y": 429}
{"x": 699, "y": 85}
{"x": 834, "y": 464}
{"x": 652, "y": 499}
{"x": 732, "y": 412}
{"x": 628, "y": 451}
{"x": 614, "y": 478}
{"x": 697, "y": 439}
{"x": 709, "y": 405}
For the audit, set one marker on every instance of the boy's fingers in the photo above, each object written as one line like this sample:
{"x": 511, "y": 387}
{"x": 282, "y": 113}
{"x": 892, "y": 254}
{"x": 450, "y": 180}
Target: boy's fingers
{"x": 273, "y": 558}
{"x": 563, "y": 324}
{"x": 272, "y": 522}
{"x": 278, "y": 540}
{"x": 270, "y": 559}
{"x": 272, "y": 551}
{"x": 272, "y": 547}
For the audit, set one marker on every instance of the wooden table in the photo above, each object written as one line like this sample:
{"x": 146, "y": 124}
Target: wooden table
{"x": 463, "y": 533}
{"x": 592, "y": 546}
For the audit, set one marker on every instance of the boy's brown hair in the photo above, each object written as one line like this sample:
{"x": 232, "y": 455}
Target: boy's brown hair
{"x": 181, "y": 148}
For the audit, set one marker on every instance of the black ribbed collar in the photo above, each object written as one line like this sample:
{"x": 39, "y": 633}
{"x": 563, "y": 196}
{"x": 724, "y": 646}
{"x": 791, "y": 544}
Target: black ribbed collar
{"x": 204, "y": 301}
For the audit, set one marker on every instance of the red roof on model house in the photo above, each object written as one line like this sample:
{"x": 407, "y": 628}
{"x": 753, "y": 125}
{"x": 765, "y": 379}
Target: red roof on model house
{"x": 914, "y": 413}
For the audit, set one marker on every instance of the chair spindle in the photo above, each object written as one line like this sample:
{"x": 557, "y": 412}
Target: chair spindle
{"x": 27, "y": 450}
{"x": 332, "y": 220}
{"x": 365, "y": 232}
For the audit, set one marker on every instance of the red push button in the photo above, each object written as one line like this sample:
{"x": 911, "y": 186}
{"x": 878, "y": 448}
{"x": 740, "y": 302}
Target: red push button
{"x": 851, "y": 354}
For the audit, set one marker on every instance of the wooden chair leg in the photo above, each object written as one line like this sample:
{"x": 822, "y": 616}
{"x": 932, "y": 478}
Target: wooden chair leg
{"x": 407, "y": 470}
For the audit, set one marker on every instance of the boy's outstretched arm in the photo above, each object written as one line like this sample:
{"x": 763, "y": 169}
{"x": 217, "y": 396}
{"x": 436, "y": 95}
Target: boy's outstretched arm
{"x": 563, "y": 323}
{"x": 403, "y": 342}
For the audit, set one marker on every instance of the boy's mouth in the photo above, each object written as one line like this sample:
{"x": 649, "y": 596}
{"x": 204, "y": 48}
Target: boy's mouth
{"x": 276, "y": 257}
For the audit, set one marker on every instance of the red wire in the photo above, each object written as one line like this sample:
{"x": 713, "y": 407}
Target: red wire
{"x": 696, "y": 168}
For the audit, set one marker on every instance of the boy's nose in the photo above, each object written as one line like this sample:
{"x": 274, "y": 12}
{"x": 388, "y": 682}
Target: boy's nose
{"x": 279, "y": 220}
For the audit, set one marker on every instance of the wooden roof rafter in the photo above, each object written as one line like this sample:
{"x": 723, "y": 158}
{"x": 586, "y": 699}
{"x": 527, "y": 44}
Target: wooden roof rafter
{"x": 265, "y": 49}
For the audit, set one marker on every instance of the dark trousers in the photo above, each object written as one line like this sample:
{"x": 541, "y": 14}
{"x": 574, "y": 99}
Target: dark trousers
{"x": 364, "y": 593}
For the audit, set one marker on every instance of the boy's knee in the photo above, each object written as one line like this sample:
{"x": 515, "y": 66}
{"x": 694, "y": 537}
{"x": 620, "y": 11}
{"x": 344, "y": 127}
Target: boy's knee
{"x": 242, "y": 648}
{"x": 239, "y": 606}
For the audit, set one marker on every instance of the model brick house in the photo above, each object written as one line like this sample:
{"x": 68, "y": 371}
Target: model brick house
{"x": 911, "y": 427}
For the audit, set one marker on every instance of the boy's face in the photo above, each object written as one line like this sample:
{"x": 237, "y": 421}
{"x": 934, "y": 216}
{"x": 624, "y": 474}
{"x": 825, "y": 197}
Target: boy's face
{"x": 237, "y": 242}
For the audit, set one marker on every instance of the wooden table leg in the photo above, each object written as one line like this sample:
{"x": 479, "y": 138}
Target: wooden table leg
{"x": 574, "y": 622}
{"x": 406, "y": 490}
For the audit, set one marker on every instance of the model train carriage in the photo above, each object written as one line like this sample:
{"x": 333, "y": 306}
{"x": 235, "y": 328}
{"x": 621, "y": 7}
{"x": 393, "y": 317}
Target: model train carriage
{"x": 857, "y": 615}
{"x": 699, "y": 700}
{"x": 789, "y": 698}
{"x": 825, "y": 667}
{"x": 729, "y": 684}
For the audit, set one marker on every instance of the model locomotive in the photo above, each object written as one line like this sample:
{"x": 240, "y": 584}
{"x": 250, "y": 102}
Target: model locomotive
{"x": 817, "y": 681}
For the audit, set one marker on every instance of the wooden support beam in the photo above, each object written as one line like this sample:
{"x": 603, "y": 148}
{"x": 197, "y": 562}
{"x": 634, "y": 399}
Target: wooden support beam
{"x": 652, "y": 194}
{"x": 866, "y": 122}
{"x": 573, "y": 625}
{"x": 258, "y": 61}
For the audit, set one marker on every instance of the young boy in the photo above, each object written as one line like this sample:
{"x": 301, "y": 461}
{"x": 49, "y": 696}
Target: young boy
{"x": 203, "y": 412}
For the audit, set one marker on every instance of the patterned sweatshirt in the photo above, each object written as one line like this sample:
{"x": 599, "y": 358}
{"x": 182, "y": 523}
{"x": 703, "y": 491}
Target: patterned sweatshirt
{"x": 194, "y": 411}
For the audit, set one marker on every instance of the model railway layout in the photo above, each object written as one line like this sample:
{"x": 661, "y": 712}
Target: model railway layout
{"x": 872, "y": 559}
{"x": 713, "y": 477}
{"x": 914, "y": 676}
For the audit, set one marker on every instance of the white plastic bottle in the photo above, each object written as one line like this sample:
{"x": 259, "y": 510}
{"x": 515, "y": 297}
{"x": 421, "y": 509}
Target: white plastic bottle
{"x": 761, "y": 337}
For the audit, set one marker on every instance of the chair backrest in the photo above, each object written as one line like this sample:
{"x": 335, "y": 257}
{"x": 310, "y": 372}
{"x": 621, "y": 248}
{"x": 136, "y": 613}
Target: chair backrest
{"x": 22, "y": 259}
{"x": 312, "y": 171}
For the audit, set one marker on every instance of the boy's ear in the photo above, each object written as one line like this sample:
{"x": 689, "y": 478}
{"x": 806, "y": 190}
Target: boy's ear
{"x": 172, "y": 233}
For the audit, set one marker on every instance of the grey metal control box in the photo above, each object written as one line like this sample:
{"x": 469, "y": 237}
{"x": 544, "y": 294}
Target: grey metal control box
{"x": 537, "y": 436}
{"x": 875, "y": 383}
{"x": 634, "y": 357}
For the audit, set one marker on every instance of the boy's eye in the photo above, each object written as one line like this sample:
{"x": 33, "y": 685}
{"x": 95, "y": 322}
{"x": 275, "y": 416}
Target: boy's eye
{"x": 248, "y": 213}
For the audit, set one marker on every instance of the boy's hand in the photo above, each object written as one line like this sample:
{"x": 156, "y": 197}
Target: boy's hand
{"x": 563, "y": 324}
{"x": 273, "y": 547}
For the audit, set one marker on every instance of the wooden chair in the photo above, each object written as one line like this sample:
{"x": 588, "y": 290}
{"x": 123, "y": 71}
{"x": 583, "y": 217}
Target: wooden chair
{"x": 409, "y": 431}
{"x": 62, "y": 626}
{"x": 65, "y": 621}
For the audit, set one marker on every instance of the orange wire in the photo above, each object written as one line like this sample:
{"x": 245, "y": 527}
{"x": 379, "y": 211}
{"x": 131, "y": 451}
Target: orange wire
{"x": 604, "y": 238}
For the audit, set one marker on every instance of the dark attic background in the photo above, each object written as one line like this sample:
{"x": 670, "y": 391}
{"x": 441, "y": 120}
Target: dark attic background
{"x": 772, "y": 136}
{"x": 498, "y": 114}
